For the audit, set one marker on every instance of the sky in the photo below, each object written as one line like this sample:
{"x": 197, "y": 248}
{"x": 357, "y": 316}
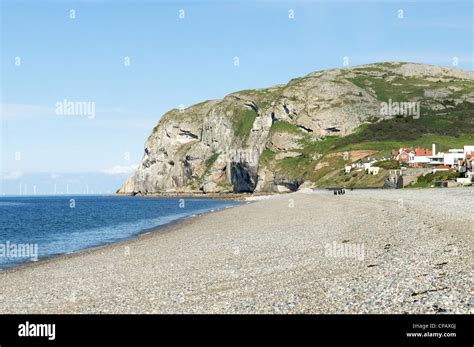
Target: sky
{"x": 131, "y": 61}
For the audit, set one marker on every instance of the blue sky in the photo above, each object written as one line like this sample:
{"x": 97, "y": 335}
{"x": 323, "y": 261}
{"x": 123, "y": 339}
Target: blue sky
{"x": 177, "y": 61}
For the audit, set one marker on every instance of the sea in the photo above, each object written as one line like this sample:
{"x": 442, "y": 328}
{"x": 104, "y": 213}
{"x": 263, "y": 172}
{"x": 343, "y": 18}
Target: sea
{"x": 38, "y": 227}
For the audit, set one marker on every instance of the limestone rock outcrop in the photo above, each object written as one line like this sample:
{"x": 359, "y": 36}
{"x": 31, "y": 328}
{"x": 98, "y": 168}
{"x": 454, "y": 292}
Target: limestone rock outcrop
{"x": 243, "y": 142}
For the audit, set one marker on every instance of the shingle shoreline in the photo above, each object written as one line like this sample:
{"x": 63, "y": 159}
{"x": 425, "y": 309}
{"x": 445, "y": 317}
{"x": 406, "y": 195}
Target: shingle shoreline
{"x": 368, "y": 251}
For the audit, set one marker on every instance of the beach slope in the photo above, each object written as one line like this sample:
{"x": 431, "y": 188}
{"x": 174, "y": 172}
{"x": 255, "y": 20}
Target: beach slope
{"x": 368, "y": 251}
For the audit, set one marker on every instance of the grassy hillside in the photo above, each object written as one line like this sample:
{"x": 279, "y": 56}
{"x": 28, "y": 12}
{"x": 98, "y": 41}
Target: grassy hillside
{"x": 450, "y": 125}
{"x": 300, "y": 125}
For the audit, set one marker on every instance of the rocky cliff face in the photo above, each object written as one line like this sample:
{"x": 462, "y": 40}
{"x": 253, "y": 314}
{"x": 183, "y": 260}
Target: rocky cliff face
{"x": 267, "y": 139}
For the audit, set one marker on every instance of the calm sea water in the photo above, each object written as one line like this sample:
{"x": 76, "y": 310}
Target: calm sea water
{"x": 57, "y": 225}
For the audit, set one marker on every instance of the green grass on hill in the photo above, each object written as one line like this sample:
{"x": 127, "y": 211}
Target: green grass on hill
{"x": 329, "y": 174}
{"x": 428, "y": 180}
{"x": 322, "y": 146}
{"x": 354, "y": 179}
{"x": 389, "y": 164}
{"x": 242, "y": 123}
{"x": 450, "y": 126}
{"x": 267, "y": 157}
{"x": 443, "y": 143}
{"x": 446, "y": 129}
{"x": 283, "y": 126}
{"x": 211, "y": 160}
{"x": 298, "y": 168}
{"x": 208, "y": 165}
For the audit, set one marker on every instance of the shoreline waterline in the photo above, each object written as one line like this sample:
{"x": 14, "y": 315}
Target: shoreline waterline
{"x": 404, "y": 252}
{"x": 130, "y": 230}
{"x": 140, "y": 235}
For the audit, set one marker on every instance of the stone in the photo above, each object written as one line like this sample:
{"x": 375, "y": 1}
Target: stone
{"x": 220, "y": 142}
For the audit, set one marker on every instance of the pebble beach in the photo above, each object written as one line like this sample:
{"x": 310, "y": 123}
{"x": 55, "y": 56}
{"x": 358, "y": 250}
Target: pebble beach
{"x": 367, "y": 251}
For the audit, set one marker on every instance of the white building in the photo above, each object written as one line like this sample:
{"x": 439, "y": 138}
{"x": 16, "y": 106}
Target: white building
{"x": 437, "y": 159}
{"x": 373, "y": 170}
{"x": 453, "y": 157}
{"x": 468, "y": 149}
{"x": 369, "y": 164}
{"x": 420, "y": 159}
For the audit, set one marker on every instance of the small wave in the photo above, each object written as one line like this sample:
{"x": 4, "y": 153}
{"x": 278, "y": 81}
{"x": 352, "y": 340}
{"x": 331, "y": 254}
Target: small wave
{"x": 10, "y": 203}
{"x": 77, "y": 239}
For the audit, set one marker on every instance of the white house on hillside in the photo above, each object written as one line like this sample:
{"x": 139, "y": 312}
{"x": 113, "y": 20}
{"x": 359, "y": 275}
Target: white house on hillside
{"x": 437, "y": 159}
{"x": 468, "y": 149}
{"x": 373, "y": 170}
{"x": 453, "y": 157}
{"x": 369, "y": 164}
{"x": 420, "y": 159}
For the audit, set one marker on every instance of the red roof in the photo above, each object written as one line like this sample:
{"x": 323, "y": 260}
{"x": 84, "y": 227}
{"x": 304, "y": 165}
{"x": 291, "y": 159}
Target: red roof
{"x": 423, "y": 151}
